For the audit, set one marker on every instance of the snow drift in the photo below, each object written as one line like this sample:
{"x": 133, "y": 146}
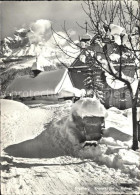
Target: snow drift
{"x": 118, "y": 125}
{"x": 43, "y": 135}
{"x": 50, "y": 132}
{"x": 19, "y": 123}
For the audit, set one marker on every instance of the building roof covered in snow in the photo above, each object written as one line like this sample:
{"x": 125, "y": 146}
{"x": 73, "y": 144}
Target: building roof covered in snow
{"x": 55, "y": 82}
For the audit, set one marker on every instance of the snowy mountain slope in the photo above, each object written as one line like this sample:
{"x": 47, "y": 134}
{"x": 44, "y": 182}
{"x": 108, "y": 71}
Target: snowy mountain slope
{"x": 18, "y": 41}
{"x": 38, "y": 41}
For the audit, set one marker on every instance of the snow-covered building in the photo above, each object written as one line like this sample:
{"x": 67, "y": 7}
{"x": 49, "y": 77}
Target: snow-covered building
{"x": 117, "y": 97}
{"x": 43, "y": 85}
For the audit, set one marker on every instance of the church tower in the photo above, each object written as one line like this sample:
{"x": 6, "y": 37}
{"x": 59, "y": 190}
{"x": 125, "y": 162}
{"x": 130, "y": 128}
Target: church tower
{"x": 37, "y": 68}
{"x": 85, "y": 39}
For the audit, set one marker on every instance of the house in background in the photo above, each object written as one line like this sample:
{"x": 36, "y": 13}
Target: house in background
{"x": 119, "y": 98}
{"x": 42, "y": 86}
{"x": 62, "y": 84}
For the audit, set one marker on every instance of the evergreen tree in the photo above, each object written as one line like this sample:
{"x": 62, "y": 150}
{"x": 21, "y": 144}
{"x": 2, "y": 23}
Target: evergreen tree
{"x": 94, "y": 82}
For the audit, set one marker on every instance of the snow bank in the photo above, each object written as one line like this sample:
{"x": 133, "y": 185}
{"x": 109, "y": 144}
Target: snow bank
{"x": 50, "y": 138}
{"x": 113, "y": 149}
{"x": 19, "y": 123}
{"x": 53, "y": 132}
{"x": 115, "y": 155}
{"x": 118, "y": 125}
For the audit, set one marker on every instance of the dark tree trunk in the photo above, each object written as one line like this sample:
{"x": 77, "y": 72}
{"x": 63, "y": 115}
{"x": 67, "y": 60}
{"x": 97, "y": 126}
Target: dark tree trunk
{"x": 135, "y": 125}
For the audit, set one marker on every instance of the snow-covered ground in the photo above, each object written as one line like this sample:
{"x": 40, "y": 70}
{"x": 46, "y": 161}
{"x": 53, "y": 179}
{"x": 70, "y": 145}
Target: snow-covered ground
{"x": 20, "y": 123}
{"x": 64, "y": 175}
{"x": 41, "y": 153}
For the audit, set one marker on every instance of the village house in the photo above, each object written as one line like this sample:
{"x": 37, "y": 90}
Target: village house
{"x": 43, "y": 86}
{"x": 63, "y": 84}
{"x": 79, "y": 69}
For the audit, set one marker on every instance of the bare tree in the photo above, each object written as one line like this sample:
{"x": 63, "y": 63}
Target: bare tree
{"x": 115, "y": 23}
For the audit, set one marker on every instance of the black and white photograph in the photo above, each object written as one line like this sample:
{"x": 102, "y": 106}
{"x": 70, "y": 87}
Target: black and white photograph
{"x": 70, "y": 97}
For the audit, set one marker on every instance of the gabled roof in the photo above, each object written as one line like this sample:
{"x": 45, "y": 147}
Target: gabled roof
{"x": 94, "y": 44}
{"x": 77, "y": 61}
{"x": 45, "y": 83}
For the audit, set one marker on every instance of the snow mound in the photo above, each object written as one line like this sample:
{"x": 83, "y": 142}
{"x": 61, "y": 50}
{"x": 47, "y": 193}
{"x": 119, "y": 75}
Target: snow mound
{"x": 117, "y": 120}
{"x": 9, "y": 107}
{"x": 51, "y": 139}
{"x": 50, "y": 132}
{"x": 89, "y": 107}
{"x": 19, "y": 123}
{"x": 113, "y": 155}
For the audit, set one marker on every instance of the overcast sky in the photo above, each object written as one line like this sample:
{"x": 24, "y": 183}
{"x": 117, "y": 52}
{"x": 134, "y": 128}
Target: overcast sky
{"x": 18, "y": 14}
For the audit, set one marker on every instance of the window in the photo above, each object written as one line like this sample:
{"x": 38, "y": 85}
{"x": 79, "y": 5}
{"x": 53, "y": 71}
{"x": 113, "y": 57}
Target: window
{"x": 122, "y": 95}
